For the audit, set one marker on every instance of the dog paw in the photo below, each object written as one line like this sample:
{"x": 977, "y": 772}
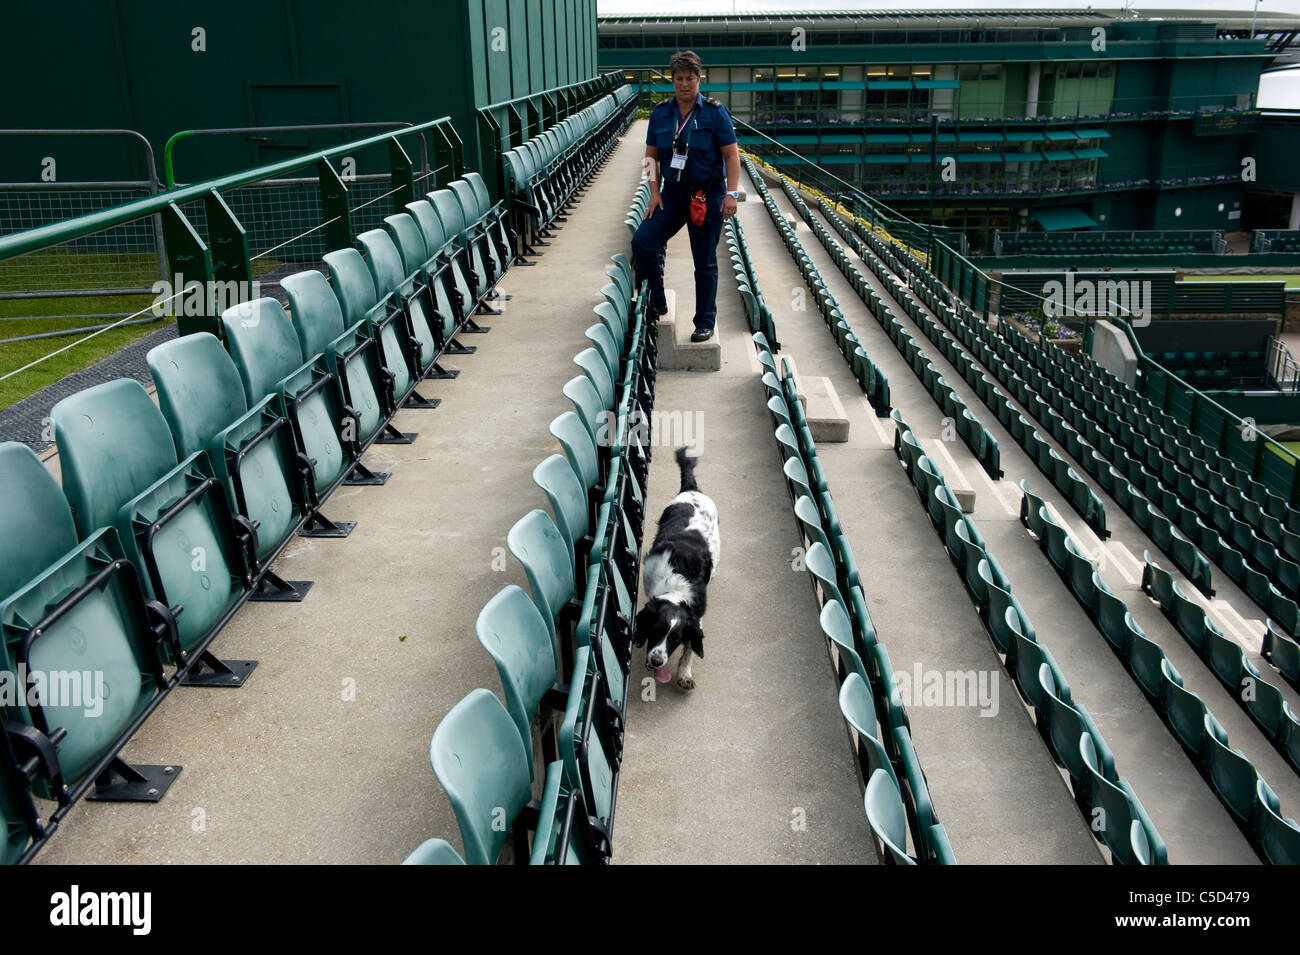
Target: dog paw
{"x": 686, "y": 682}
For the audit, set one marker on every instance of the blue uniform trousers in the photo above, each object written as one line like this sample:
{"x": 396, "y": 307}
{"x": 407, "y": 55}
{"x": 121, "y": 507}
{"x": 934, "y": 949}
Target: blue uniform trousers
{"x": 652, "y": 237}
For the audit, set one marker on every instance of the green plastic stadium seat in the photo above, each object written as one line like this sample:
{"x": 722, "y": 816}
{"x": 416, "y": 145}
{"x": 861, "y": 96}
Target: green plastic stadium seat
{"x": 120, "y": 470}
{"x": 522, "y": 644}
{"x": 547, "y": 559}
{"x": 886, "y": 815}
{"x": 1279, "y": 837}
{"x": 568, "y": 500}
{"x": 482, "y": 764}
{"x": 352, "y": 354}
{"x": 859, "y": 711}
{"x": 1232, "y": 774}
{"x": 558, "y": 840}
{"x": 1120, "y": 809}
{"x": 266, "y": 351}
{"x": 54, "y": 590}
{"x": 252, "y": 451}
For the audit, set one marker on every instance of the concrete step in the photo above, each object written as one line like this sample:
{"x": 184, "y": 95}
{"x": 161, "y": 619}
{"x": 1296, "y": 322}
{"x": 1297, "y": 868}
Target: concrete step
{"x": 676, "y": 350}
{"x": 826, "y": 418}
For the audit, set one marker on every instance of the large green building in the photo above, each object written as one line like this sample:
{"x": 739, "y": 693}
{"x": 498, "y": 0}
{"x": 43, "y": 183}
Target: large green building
{"x": 1051, "y": 119}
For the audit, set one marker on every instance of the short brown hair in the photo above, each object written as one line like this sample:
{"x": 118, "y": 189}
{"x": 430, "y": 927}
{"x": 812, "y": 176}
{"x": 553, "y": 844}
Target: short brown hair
{"x": 687, "y": 61}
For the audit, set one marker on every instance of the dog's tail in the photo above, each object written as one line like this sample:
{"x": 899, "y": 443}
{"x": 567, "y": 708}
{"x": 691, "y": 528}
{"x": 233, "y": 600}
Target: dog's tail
{"x": 687, "y": 466}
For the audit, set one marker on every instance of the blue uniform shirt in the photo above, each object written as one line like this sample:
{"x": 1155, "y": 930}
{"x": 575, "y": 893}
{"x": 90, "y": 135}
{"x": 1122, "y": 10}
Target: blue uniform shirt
{"x": 707, "y": 132}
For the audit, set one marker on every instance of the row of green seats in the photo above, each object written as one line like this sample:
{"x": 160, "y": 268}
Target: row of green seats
{"x": 758, "y": 315}
{"x": 542, "y": 176}
{"x": 565, "y": 652}
{"x": 1232, "y": 777}
{"x": 899, "y": 801}
{"x": 870, "y": 378}
{"x": 234, "y": 461}
{"x": 1072, "y": 736}
{"x": 1261, "y": 700}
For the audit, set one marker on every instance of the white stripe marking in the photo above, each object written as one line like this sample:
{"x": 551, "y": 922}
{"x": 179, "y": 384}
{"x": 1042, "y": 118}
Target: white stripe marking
{"x": 886, "y": 438}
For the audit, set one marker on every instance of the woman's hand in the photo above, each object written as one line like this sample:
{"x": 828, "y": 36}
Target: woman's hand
{"x": 650, "y": 207}
{"x": 728, "y": 207}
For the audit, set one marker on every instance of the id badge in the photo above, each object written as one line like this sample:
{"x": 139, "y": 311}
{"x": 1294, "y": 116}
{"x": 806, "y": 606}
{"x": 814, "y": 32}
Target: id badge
{"x": 678, "y": 161}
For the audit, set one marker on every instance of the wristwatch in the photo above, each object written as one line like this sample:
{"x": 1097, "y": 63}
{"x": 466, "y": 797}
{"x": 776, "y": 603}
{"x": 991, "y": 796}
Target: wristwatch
{"x": 735, "y": 195}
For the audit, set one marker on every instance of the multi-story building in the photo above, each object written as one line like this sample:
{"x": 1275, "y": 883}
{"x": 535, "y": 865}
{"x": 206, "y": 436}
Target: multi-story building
{"x": 1052, "y": 119}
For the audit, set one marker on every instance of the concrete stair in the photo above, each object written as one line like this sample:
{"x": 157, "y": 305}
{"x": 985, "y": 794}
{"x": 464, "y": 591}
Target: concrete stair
{"x": 676, "y": 350}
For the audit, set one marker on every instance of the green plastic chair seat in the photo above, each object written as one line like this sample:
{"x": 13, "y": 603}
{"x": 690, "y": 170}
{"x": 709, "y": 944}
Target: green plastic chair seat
{"x": 483, "y": 766}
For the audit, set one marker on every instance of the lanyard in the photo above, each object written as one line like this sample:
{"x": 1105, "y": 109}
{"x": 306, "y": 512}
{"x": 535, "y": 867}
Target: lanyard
{"x": 689, "y": 118}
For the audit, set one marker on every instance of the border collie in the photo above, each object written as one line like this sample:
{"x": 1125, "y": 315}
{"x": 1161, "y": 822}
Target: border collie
{"x": 676, "y": 574}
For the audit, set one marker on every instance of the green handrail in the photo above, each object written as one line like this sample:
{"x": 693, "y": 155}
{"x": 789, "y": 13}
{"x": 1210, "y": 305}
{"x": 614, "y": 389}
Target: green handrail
{"x": 20, "y": 243}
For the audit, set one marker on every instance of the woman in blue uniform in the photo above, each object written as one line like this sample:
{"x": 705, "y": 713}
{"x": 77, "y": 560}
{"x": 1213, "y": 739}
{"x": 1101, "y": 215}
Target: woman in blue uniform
{"x": 691, "y": 143}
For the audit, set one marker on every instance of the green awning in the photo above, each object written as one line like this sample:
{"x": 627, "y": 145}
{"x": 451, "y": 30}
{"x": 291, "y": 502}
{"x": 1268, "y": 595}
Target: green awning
{"x": 1057, "y": 154}
{"x": 942, "y": 138}
{"x": 1024, "y": 136}
{"x": 936, "y": 84}
{"x": 1022, "y": 157}
{"x": 886, "y": 137}
{"x": 842, "y": 138}
{"x": 1063, "y": 217}
{"x": 1093, "y": 134}
{"x": 794, "y": 139}
{"x": 979, "y": 157}
{"x": 1061, "y": 135}
{"x": 1091, "y": 153}
{"x": 918, "y": 157}
{"x": 980, "y": 136}
{"x": 881, "y": 160}
{"x": 838, "y": 159}
{"x": 796, "y": 85}
{"x": 889, "y": 84}
{"x": 843, "y": 85}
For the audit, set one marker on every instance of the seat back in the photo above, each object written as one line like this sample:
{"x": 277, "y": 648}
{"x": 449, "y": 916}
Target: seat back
{"x": 569, "y": 429}
{"x": 264, "y": 345}
{"x": 315, "y": 310}
{"x": 522, "y": 645}
{"x": 449, "y": 211}
{"x": 38, "y": 523}
{"x": 199, "y": 389}
{"x": 885, "y": 813}
{"x": 431, "y": 228}
{"x": 548, "y": 561}
{"x": 434, "y": 852}
{"x": 113, "y": 444}
{"x": 353, "y": 283}
{"x": 387, "y": 270}
{"x": 482, "y": 764}
{"x": 555, "y": 476}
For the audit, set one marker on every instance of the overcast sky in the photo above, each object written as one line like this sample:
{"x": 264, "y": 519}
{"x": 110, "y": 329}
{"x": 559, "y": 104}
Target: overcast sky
{"x": 1279, "y": 90}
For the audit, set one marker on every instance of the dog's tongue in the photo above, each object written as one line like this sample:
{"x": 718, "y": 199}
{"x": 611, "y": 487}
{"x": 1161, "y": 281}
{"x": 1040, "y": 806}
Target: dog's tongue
{"x": 662, "y": 674}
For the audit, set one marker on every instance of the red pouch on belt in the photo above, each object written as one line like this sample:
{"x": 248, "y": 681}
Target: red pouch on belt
{"x": 698, "y": 208}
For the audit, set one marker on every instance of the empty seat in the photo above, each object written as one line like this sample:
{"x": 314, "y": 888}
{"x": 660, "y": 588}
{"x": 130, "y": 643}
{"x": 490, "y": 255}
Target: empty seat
{"x": 120, "y": 470}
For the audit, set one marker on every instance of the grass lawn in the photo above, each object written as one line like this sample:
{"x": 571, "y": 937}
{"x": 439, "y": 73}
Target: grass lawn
{"x": 60, "y": 268}
{"x": 1292, "y": 281}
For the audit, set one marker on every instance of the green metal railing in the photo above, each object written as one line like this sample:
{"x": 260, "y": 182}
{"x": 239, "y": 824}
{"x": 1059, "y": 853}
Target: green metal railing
{"x": 208, "y": 243}
{"x": 936, "y": 245}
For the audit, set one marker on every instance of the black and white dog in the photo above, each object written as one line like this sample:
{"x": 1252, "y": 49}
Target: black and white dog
{"x": 676, "y": 575}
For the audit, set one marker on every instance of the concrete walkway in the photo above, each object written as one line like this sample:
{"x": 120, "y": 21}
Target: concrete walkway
{"x": 755, "y": 764}
{"x": 994, "y": 784}
{"x": 1195, "y": 825}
